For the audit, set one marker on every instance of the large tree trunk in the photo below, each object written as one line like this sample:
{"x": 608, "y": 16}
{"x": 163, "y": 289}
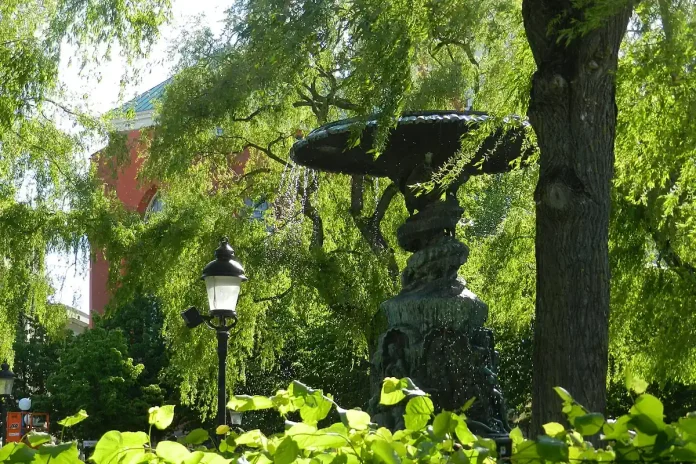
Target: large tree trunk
{"x": 573, "y": 112}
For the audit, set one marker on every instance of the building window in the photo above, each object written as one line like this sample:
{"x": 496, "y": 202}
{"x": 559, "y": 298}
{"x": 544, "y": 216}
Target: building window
{"x": 156, "y": 205}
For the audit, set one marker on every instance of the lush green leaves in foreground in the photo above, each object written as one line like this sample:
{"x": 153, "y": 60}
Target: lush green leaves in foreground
{"x": 639, "y": 436}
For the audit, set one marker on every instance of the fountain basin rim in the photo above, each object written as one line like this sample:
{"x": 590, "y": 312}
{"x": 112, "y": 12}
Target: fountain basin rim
{"x": 413, "y": 117}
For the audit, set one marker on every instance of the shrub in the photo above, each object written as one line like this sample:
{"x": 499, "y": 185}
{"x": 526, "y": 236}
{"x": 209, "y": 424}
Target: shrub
{"x": 639, "y": 436}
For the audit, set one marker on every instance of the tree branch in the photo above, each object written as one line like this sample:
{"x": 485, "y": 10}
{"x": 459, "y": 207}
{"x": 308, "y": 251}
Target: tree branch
{"x": 267, "y": 151}
{"x": 274, "y": 297}
{"x": 370, "y": 227}
{"x": 253, "y": 114}
{"x": 312, "y": 213}
{"x": 255, "y": 172}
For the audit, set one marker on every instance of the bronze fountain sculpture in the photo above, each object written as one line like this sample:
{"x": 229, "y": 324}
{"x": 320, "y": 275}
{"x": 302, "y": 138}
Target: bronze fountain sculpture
{"x": 434, "y": 328}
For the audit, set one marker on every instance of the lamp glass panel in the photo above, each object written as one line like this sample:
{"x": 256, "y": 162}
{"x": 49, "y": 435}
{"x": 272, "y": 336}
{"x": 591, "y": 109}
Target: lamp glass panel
{"x": 223, "y": 292}
{"x": 6, "y": 385}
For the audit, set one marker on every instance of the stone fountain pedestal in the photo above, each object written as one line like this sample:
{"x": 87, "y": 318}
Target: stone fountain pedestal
{"x": 435, "y": 326}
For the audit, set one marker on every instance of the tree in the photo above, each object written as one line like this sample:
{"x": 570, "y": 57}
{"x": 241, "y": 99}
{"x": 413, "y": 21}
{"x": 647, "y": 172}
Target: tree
{"x": 96, "y": 375}
{"x": 48, "y": 200}
{"x": 141, "y": 323}
{"x": 37, "y": 357}
{"x": 573, "y": 111}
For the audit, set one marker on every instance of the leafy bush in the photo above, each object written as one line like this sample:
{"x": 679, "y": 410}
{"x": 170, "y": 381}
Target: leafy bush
{"x": 639, "y": 436}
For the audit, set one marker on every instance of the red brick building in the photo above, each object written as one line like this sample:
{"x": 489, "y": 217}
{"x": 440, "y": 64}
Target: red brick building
{"x": 124, "y": 181}
{"x": 129, "y": 189}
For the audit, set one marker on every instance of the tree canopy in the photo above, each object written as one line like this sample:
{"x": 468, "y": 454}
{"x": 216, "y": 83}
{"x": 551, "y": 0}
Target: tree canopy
{"x": 279, "y": 70}
{"x": 48, "y": 198}
{"x": 316, "y": 260}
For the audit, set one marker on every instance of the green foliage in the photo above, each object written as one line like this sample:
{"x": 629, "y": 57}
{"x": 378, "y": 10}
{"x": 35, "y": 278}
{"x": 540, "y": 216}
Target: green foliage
{"x": 74, "y": 419}
{"x": 639, "y": 436}
{"x": 49, "y": 199}
{"x": 96, "y": 375}
{"x": 279, "y": 70}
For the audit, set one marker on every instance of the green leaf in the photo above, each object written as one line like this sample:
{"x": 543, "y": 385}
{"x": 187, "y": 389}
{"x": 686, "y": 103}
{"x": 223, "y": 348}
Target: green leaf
{"x": 385, "y": 452}
{"x": 16, "y": 452}
{"x": 589, "y": 424}
{"x": 688, "y": 425}
{"x": 687, "y": 453}
{"x": 468, "y": 404}
{"x": 392, "y": 392}
{"x": 635, "y": 383}
{"x": 552, "y": 449}
{"x": 553, "y": 429}
{"x": 222, "y": 429}
{"x": 286, "y": 452}
{"x": 444, "y": 423}
{"x": 252, "y": 438}
{"x": 573, "y": 410}
{"x": 297, "y": 428}
{"x": 354, "y": 418}
{"x": 460, "y": 457}
{"x": 197, "y": 436}
{"x": 38, "y": 438}
{"x": 284, "y": 402}
{"x": 647, "y": 414}
{"x": 516, "y": 436}
{"x": 115, "y": 446}
{"x": 161, "y": 417}
{"x": 411, "y": 389}
{"x": 616, "y": 429}
{"x": 172, "y": 451}
{"x": 201, "y": 457}
{"x": 527, "y": 451}
{"x": 298, "y": 389}
{"x": 321, "y": 441}
{"x": 308, "y": 437}
{"x": 65, "y": 453}
{"x": 241, "y": 403}
{"x": 316, "y": 408}
{"x": 464, "y": 436}
{"x": 74, "y": 419}
{"x": 563, "y": 393}
{"x": 418, "y": 412}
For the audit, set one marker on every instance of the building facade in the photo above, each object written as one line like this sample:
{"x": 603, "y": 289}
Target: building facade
{"x": 134, "y": 194}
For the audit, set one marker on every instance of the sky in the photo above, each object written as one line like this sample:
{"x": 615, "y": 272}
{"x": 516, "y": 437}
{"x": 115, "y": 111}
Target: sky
{"x": 103, "y": 91}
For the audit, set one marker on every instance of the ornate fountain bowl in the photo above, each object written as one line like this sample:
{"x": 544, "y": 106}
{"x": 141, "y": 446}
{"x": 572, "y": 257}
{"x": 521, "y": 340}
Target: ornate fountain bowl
{"x": 436, "y": 134}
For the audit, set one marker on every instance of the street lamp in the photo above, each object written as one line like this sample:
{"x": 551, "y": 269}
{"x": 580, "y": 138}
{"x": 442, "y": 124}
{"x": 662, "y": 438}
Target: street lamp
{"x": 6, "y": 384}
{"x": 223, "y": 279}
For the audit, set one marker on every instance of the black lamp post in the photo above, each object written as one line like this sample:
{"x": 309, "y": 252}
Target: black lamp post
{"x": 6, "y": 384}
{"x": 223, "y": 278}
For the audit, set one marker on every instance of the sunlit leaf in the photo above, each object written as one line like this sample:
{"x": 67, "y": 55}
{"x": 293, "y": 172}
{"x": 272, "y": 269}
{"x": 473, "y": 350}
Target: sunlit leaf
{"x": 286, "y": 452}
{"x": 354, "y": 418}
{"x": 241, "y": 403}
{"x": 74, "y": 419}
{"x": 161, "y": 417}
{"x": 37, "y": 438}
{"x": 197, "y": 436}
{"x": 418, "y": 412}
{"x": 589, "y": 424}
{"x": 384, "y": 452}
{"x": 553, "y": 428}
{"x": 171, "y": 451}
{"x": 392, "y": 392}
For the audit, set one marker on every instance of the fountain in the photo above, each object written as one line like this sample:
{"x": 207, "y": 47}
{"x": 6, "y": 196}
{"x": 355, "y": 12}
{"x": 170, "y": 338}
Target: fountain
{"x": 434, "y": 328}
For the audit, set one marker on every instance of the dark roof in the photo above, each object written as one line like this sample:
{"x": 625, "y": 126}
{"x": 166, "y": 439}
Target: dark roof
{"x": 146, "y": 100}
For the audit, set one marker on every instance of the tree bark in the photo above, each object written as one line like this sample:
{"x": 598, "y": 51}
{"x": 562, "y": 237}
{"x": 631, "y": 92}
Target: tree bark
{"x": 573, "y": 112}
